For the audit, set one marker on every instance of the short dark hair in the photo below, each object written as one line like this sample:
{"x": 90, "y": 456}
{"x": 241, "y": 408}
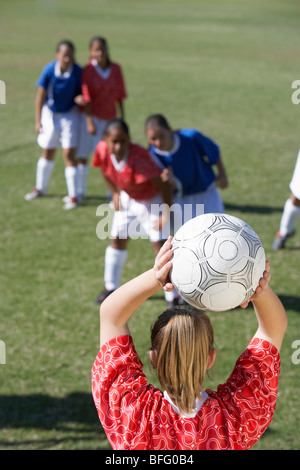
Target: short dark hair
{"x": 65, "y": 42}
{"x": 116, "y": 122}
{"x": 157, "y": 120}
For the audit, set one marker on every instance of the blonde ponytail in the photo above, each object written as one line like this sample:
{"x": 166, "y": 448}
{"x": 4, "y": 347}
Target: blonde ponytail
{"x": 182, "y": 338}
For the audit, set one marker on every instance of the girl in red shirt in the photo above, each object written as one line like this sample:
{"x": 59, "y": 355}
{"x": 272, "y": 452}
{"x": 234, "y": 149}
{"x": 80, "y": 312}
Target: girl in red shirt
{"x": 135, "y": 415}
{"x": 139, "y": 196}
{"x": 103, "y": 93}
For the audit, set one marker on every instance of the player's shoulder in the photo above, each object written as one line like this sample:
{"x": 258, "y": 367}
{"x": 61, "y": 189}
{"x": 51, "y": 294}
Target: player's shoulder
{"x": 115, "y": 66}
{"x": 49, "y": 67}
{"x": 101, "y": 146}
{"x": 47, "y": 74}
{"x": 189, "y": 132}
{"x": 100, "y": 154}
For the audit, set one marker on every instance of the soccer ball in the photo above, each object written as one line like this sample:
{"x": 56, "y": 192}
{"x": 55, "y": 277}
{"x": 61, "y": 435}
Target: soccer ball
{"x": 217, "y": 262}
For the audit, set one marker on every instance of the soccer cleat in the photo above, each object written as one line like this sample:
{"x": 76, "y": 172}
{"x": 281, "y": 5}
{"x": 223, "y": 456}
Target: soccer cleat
{"x": 102, "y": 296}
{"x": 71, "y": 203}
{"x": 279, "y": 242}
{"x": 80, "y": 197}
{"x": 34, "y": 193}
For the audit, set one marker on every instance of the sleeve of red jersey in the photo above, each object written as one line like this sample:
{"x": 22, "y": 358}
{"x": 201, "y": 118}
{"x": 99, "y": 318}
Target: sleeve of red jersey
{"x": 99, "y": 155}
{"x": 144, "y": 167}
{"x": 85, "y": 84}
{"x": 122, "y": 93}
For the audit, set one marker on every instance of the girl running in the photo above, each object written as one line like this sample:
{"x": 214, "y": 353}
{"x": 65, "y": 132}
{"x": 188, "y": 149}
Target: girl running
{"x": 57, "y": 120}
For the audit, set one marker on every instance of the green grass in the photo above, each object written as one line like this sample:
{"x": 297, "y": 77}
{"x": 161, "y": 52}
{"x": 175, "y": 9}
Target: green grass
{"x": 223, "y": 67}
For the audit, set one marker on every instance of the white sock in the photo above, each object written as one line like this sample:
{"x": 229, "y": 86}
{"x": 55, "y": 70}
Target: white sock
{"x": 114, "y": 262}
{"x": 44, "y": 169}
{"x": 82, "y": 170}
{"x": 71, "y": 180}
{"x": 171, "y": 295}
{"x": 289, "y": 218}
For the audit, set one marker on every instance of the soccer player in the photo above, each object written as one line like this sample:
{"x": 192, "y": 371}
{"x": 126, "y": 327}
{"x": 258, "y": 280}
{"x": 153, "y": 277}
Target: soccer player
{"x": 137, "y": 194}
{"x": 291, "y": 210}
{"x": 103, "y": 94}
{"x": 57, "y": 120}
{"x": 187, "y": 158}
{"x": 183, "y": 415}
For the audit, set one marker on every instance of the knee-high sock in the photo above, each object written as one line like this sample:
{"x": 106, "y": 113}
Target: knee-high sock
{"x": 44, "y": 169}
{"x": 82, "y": 177}
{"x": 171, "y": 295}
{"x": 289, "y": 218}
{"x": 114, "y": 262}
{"x": 71, "y": 180}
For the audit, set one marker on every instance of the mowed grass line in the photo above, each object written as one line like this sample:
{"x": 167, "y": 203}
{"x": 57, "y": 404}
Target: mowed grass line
{"x": 225, "y": 68}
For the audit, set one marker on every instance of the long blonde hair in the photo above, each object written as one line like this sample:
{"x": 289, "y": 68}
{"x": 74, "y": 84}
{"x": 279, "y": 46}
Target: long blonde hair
{"x": 182, "y": 338}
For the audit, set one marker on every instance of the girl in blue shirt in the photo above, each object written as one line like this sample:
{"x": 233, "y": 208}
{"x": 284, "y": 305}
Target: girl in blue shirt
{"x": 187, "y": 158}
{"x": 57, "y": 120}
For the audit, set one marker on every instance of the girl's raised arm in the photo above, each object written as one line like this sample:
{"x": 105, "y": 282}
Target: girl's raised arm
{"x": 119, "y": 306}
{"x": 270, "y": 313}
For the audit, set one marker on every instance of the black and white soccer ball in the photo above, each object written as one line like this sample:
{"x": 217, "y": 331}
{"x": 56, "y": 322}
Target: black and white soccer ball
{"x": 217, "y": 263}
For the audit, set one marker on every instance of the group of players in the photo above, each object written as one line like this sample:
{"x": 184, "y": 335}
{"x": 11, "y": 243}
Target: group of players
{"x": 77, "y": 109}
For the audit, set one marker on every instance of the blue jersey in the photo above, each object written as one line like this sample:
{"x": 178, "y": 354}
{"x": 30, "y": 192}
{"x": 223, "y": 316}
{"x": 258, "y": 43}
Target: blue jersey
{"x": 191, "y": 159}
{"x": 61, "y": 88}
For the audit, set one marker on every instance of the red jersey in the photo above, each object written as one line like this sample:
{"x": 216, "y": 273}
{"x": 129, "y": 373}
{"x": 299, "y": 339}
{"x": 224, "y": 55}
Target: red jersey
{"x": 136, "y": 416}
{"x": 103, "y": 93}
{"x": 132, "y": 174}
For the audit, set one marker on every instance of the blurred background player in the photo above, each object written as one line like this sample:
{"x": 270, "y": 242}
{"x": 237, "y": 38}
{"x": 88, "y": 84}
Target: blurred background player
{"x": 137, "y": 191}
{"x": 186, "y": 157}
{"x": 103, "y": 93}
{"x": 291, "y": 210}
{"x": 183, "y": 415}
{"x": 57, "y": 120}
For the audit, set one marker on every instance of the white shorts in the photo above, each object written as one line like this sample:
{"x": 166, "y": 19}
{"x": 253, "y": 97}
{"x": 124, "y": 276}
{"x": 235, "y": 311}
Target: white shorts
{"x": 88, "y": 142}
{"x": 295, "y": 182}
{"x": 58, "y": 129}
{"x": 190, "y": 206}
{"x": 137, "y": 219}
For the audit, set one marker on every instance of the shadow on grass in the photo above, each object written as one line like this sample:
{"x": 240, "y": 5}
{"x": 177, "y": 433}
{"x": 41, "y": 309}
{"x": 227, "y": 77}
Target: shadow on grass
{"x": 74, "y": 412}
{"x": 252, "y": 209}
{"x": 290, "y": 302}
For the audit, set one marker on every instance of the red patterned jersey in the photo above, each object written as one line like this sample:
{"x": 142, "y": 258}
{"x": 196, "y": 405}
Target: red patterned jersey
{"x": 135, "y": 415}
{"x": 103, "y": 93}
{"x": 133, "y": 174}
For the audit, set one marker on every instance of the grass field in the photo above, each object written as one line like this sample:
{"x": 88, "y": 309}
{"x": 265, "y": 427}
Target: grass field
{"x": 224, "y": 67}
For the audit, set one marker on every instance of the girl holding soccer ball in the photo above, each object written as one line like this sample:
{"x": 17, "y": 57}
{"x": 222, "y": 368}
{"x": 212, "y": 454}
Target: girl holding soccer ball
{"x": 136, "y": 415}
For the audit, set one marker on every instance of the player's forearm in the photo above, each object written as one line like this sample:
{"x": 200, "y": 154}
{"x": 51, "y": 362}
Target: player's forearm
{"x": 110, "y": 185}
{"x": 119, "y": 306}
{"x": 165, "y": 190}
{"x": 271, "y": 316}
{"x": 121, "y": 109}
{"x": 39, "y": 102}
